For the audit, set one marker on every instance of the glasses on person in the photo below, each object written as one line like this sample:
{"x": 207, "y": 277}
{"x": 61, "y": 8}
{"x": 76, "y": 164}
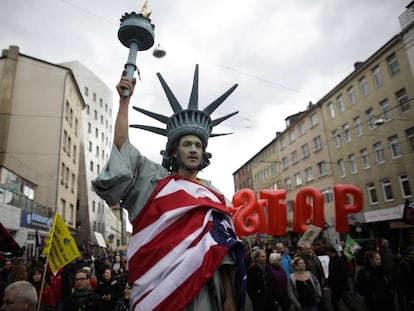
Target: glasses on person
{"x": 80, "y": 279}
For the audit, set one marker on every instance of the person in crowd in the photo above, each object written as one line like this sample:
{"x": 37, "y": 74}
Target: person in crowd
{"x": 123, "y": 302}
{"x": 280, "y": 281}
{"x": 83, "y": 296}
{"x": 286, "y": 259}
{"x": 406, "y": 279}
{"x": 303, "y": 287}
{"x": 123, "y": 277}
{"x": 338, "y": 280}
{"x": 109, "y": 289}
{"x": 117, "y": 265}
{"x": 390, "y": 261}
{"x": 21, "y": 272}
{"x": 56, "y": 286}
{"x": 19, "y": 296}
{"x": 45, "y": 295}
{"x": 374, "y": 284}
{"x": 6, "y": 270}
{"x": 261, "y": 284}
{"x": 93, "y": 282}
{"x": 155, "y": 194}
{"x": 314, "y": 265}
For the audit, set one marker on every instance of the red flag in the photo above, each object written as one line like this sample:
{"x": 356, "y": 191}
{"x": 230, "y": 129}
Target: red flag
{"x": 8, "y": 246}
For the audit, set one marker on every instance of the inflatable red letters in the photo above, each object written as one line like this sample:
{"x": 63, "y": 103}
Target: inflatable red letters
{"x": 269, "y": 213}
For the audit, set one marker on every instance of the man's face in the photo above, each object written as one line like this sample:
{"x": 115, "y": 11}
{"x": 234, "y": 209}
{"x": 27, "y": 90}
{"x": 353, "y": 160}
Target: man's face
{"x": 81, "y": 280}
{"x": 12, "y": 301}
{"x": 261, "y": 258}
{"x": 190, "y": 149}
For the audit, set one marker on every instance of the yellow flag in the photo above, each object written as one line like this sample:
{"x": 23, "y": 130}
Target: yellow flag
{"x": 60, "y": 246}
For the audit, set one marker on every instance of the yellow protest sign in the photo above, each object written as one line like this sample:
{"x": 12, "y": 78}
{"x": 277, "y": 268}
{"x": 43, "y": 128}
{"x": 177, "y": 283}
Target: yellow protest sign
{"x": 60, "y": 246}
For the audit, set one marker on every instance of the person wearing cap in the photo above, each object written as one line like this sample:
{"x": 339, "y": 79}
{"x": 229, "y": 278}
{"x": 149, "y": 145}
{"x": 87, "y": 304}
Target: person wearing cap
{"x": 183, "y": 249}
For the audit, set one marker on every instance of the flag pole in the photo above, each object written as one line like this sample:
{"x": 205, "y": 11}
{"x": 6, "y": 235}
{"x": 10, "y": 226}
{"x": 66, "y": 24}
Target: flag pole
{"x": 43, "y": 282}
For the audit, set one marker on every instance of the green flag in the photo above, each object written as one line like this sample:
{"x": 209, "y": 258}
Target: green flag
{"x": 351, "y": 247}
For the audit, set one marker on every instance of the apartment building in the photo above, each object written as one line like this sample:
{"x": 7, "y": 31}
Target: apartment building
{"x": 94, "y": 215}
{"x": 40, "y": 138}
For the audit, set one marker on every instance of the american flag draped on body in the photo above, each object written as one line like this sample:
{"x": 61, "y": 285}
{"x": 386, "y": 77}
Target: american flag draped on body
{"x": 179, "y": 240}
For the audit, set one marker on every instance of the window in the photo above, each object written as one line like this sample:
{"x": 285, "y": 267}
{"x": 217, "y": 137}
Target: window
{"x": 292, "y": 137}
{"x": 331, "y": 110}
{"x": 295, "y": 158}
{"x": 67, "y": 108}
{"x": 347, "y": 132}
{"x": 282, "y": 143}
{"x": 352, "y": 163}
{"x": 358, "y": 126}
{"x": 372, "y": 193}
{"x": 302, "y": 129}
{"x": 100, "y": 102}
{"x": 63, "y": 207}
{"x": 394, "y": 146}
{"x": 90, "y": 146}
{"x": 386, "y": 110}
{"x": 317, "y": 143}
{"x": 337, "y": 138}
{"x": 402, "y": 100}
{"x": 305, "y": 151}
{"x": 371, "y": 118}
{"x": 327, "y": 195}
{"x": 379, "y": 153}
{"x": 87, "y": 109}
{"x": 69, "y": 146}
{"x": 95, "y": 113}
{"x": 351, "y": 95}
{"x": 298, "y": 179}
{"x": 393, "y": 65}
{"x": 341, "y": 167}
{"x": 386, "y": 187}
{"x": 62, "y": 173}
{"x": 410, "y": 138}
{"x": 340, "y": 103}
{"x": 365, "y": 159}
{"x": 288, "y": 183}
{"x": 94, "y": 97}
{"x": 97, "y": 151}
{"x": 72, "y": 183}
{"x": 91, "y": 166}
{"x": 285, "y": 163}
{"x": 322, "y": 168}
{"x": 405, "y": 186}
{"x": 363, "y": 85}
{"x": 314, "y": 119}
{"x": 89, "y": 128}
{"x": 86, "y": 91}
{"x": 76, "y": 126}
{"x": 308, "y": 174}
{"x": 96, "y": 132}
{"x": 377, "y": 76}
{"x": 74, "y": 153}
{"x": 65, "y": 139}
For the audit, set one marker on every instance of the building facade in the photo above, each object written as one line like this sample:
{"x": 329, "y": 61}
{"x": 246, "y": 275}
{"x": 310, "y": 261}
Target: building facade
{"x": 360, "y": 133}
{"x": 94, "y": 215}
{"x": 40, "y": 138}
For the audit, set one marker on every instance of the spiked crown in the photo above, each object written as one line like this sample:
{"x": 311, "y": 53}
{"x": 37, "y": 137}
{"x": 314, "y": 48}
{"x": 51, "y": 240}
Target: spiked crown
{"x": 190, "y": 121}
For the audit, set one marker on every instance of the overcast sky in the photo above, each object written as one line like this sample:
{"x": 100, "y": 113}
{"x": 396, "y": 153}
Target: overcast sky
{"x": 283, "y": 54}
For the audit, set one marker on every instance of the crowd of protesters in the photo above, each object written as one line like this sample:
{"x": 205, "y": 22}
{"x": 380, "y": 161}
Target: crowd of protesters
{"x": 278, "y": 279}
{"x": 88, "y": 283}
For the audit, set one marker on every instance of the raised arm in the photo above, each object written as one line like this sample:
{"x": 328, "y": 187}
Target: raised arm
{"x": 121, "y": 122}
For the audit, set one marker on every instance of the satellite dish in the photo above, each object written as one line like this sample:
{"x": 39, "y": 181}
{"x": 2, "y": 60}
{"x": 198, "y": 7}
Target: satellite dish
{"x": 159, "y": 52}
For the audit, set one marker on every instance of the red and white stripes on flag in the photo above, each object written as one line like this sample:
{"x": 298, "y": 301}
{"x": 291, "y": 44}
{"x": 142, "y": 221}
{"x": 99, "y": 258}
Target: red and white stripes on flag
{"x": 172, "y": 253}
